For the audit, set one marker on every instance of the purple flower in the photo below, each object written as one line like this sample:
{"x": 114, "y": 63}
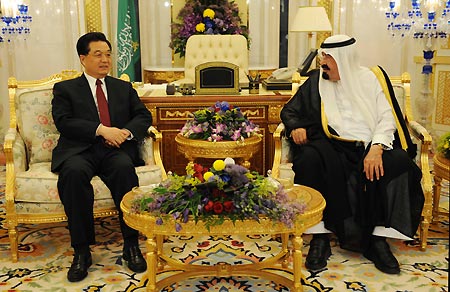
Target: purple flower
{"x": 236, "y": 135}
{"x": 219, "y": 128}
{"x": 185, "y": 215}
{"x": 178, "y": 227}
{"x": 196, "y": 129}
{"x": 159, "y": 221}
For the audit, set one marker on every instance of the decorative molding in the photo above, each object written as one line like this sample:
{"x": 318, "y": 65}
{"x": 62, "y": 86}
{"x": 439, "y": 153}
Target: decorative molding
{"x": 274, "y": 114}
{"x": 176, "y": 115}
{"x": 255, "y": 113}
{"x": 159, "y": 77}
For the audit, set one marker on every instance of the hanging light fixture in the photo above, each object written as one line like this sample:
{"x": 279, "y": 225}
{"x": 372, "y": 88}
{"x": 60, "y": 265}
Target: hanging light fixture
{"x": 426, "y": 21}
{"x": 15, "y": 21}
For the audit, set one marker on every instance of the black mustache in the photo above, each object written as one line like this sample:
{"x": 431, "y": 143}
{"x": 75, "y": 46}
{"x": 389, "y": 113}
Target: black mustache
{"x": 325, "y": 66}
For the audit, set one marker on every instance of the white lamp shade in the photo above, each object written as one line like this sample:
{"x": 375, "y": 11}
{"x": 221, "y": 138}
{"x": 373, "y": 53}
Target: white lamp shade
{"x": 310, "y": 19}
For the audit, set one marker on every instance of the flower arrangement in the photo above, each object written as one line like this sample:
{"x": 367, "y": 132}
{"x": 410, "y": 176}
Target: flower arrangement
{"x": 444, "y": 145}
{"x": 205, "y": 17}
{"x": 219, "y": 122}
{"x": 224, "y": 191}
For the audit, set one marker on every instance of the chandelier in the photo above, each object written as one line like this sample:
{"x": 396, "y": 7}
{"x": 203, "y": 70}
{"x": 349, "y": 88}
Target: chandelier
{"x": 419, "y": 20}
{"x": 15, "y": 21}
{"x": 426, "y": 20}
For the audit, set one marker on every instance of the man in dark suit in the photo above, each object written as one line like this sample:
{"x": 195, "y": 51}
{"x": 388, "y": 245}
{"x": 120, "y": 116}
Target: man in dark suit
{"x": 101, "y": 121}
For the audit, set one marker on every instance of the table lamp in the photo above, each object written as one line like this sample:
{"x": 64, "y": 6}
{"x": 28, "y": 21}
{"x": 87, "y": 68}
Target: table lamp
{"x": 310, "y": 19}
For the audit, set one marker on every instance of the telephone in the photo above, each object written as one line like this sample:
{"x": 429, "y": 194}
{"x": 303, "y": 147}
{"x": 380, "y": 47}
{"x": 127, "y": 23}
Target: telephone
{"x": 282, "y": 74}
{"x": 285, "y": 74}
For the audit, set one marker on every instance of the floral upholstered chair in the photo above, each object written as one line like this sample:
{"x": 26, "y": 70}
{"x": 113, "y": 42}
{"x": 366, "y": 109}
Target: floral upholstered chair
{"x": 31, "y": 191}
{"x": 282, "y": 166}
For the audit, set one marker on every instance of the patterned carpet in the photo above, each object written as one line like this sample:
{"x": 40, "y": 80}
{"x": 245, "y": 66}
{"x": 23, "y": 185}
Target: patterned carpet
{"x": 45, "y": 256}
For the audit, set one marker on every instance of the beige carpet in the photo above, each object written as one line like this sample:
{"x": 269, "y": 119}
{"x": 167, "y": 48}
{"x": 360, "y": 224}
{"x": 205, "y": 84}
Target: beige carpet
{"x": 45, "y": 256}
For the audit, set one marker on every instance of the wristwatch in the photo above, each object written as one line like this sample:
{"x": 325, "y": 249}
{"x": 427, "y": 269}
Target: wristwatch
{"x": 384, "y": 147}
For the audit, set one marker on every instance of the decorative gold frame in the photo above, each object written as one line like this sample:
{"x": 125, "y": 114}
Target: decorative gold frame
{"x": 233, "y": 89}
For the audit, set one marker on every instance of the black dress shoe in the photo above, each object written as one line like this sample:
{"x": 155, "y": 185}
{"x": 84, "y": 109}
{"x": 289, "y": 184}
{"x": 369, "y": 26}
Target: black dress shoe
{"x": 135, "y": 260}
{"x": 380, "y": 254}
{"x": 79, "y": 267}
{"x": 319, "y": 252}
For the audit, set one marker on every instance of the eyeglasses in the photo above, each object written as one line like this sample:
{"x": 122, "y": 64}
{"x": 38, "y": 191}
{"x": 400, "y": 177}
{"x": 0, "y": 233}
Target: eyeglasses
{"x": 99, "y": 54}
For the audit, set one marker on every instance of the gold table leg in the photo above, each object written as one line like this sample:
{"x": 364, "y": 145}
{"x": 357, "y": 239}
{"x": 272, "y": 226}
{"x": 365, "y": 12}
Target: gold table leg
{"x": 152, "y": 260}
{"x": 297, "y": 243}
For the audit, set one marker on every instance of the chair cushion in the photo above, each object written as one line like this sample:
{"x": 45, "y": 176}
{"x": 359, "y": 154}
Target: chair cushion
{"x": 42, "y": 147}
{"x": 35, "y": 121}
{"x": 399, "y": 93}
{"x": 37, "y": 188}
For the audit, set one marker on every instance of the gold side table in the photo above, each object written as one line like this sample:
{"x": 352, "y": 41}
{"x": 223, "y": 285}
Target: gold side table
{"x": 192, "y": 149}
{"x": 158, "y": 262}
{"x": 441, "y": 170}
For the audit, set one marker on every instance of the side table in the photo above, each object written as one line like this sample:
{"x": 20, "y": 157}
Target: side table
{"x": 157, "y": 261}
{"x": 441, "y": 170}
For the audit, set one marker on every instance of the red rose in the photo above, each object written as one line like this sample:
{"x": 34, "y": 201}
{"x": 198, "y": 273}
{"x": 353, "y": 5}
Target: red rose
{"x": 208, "y": 207}
{"x": 218, "y": 207}
{"x": 218, "y": 193}
{"x": 199, "y": 176}
{"x": 198, "y": 168}
{"x": 228, "y": 206}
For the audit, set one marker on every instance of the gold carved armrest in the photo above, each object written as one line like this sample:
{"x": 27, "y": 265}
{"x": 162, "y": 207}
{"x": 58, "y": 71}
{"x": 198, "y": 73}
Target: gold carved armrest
{"x": 15, "y": 151}
{"x": 422, "y": 135}
{"x": 151, "y": 150}
{"x": 15, "y": 155}
{"x": 277, "y": 139}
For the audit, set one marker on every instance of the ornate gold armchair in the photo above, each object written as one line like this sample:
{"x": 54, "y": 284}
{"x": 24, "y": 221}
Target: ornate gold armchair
{"x": 282, "y": 166}
{"x": 31, "y": 191}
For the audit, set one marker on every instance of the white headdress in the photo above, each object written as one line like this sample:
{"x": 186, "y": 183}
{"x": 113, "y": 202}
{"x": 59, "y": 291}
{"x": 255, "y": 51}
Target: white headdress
{"x": 343, "y": 51}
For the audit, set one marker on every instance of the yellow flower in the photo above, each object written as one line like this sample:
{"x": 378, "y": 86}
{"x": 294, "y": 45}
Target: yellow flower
{"x": 207, "y": 175}
{"x": 218, "y": 165}
{"x": 200, "y": 27}
{"x": 208, "y": 13}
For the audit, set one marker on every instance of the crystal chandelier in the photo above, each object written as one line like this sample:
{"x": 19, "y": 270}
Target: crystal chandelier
{"x": 426, "y": 20}
{"x": 420, "y": 20}
{"x": 15, "y": 21}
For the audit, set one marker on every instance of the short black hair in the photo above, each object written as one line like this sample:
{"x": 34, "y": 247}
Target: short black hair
{"x": 84, "y": 41}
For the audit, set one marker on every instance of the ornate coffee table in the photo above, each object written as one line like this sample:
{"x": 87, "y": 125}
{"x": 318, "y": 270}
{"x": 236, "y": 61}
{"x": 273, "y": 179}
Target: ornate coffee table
{"x": 157, "y": 261}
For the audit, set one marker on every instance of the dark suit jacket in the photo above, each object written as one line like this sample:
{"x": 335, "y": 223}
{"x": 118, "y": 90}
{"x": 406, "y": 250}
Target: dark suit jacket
{"x": 76, "y": 117}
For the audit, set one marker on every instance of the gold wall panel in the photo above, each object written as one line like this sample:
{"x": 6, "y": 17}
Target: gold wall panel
{"x": 93, "y": 15}
{"x": 322, "y": 35}
{"x": 443, "y": 98}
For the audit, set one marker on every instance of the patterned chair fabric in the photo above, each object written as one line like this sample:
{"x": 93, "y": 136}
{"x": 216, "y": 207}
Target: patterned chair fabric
{"x": 31, "y": 188}
{"x": 282, "y": 165}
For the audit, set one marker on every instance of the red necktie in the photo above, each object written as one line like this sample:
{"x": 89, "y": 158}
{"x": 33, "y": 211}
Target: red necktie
{"x": 102, "y": 105}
